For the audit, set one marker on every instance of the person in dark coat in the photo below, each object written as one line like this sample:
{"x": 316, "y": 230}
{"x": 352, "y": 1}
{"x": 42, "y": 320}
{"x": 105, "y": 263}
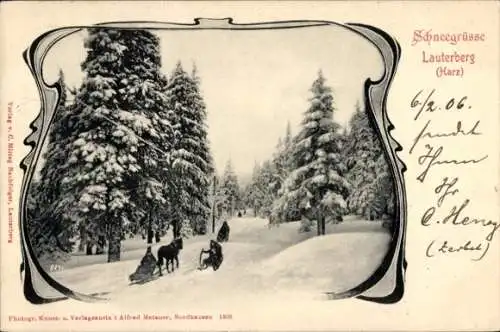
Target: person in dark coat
{"x": 215, "y": 256}
{"x": 146, "y": 267}
{"x": 223, "y": 235}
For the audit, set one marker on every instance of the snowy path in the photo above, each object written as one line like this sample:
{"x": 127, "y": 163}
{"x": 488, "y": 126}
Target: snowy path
{"x": 258, "y": 263}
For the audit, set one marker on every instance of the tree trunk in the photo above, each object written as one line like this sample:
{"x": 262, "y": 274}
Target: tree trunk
{"x": 114, "y": 240}
{"x": 150, "y": 234}
{"x": 213, "y": 217}
{"x": 232, "y": 206}
{"x": 214, "y": 202}
{"x": 176, "y": 229}
{"x": 319, "y": 221}
{"x": 323, "y": 225}
{"x": 83, "y": 240}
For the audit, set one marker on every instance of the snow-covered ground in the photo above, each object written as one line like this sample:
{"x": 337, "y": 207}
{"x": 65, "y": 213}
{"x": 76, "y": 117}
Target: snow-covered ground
{"x": 259, "y": 263}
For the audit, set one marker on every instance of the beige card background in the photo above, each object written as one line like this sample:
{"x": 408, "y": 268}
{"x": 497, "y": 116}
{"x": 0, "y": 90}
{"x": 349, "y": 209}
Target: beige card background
{"x": 446, "y": 292}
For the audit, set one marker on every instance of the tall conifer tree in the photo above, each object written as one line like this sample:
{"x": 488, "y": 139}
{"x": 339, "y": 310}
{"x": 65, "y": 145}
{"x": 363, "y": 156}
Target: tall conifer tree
{"x": 317, "y": 182}
{"x": 50, "y": 232}
{"x": 113, "y": 161}
{"x": 372, "y": 193}
{"x": 191, "y": 162}
{"x": 230, "y": 188}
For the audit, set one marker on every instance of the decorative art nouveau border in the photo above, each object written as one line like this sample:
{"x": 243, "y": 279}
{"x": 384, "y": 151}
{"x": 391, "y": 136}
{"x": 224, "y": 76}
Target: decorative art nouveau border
{"x": 386, "y": 285}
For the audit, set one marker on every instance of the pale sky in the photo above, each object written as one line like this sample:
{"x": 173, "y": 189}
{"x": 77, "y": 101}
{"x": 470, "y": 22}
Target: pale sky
{"x": 252, "y": 82}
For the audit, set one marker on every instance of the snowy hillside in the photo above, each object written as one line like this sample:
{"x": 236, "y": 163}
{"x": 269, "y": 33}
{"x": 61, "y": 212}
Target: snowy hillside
{"x": 258, "y": 263}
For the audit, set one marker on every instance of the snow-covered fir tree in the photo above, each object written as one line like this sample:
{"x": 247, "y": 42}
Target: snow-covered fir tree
{"x": 203, "y": 151}
{"x": 266, "y": 184}
{"x": 191, "y": 161}
{"x": 253, "y": 195}
{"x": 384, "y": 203}
{"x": 280, "y": 161}
{"x": 287, "y": 148}
{"x": 282, "y": 167}
{"x": 215, "y": 194}
{"x": 317, "y": 183}
{"x": 50, "y": 232}
{"x": 267, "y": 180}
{"x": 112, "y": 164}
{"x": 372, "y": 194}
{"x": 229, "y": 188}
{"x": 361, "y": 151}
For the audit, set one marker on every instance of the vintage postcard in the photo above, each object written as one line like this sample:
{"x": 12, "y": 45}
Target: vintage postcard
{"x": 264, "y": 166}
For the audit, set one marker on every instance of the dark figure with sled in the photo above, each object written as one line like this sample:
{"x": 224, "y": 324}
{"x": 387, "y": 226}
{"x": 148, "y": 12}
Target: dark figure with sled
{"x": 170, "y": 253}
{"x": 145, "y": 269}
{"x": 214, "y": 258}
{"x": 223, "y": 235}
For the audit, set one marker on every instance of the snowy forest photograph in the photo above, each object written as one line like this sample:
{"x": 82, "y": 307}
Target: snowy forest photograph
{"x": 179, "y": 163}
